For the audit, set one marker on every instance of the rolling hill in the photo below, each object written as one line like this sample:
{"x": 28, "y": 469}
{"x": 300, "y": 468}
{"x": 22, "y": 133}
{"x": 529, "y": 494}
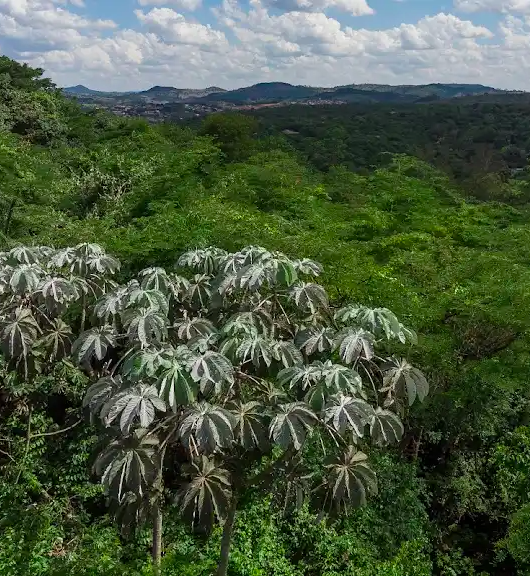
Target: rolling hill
{"x": 281, "y": 91}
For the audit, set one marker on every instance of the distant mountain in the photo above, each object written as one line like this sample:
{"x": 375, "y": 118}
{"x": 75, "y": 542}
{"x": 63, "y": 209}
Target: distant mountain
{"x": 281, "y": 92}
{"x": 265, "y": 91}
{"x": 165, "y": 93}
{"x": 80, "y": 89}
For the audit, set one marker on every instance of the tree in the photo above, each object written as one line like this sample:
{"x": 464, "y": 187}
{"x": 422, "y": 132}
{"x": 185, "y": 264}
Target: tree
{"x": 233, "y": 132}
{"x": 211, "y": 386}
{"x": 22, "y": 76}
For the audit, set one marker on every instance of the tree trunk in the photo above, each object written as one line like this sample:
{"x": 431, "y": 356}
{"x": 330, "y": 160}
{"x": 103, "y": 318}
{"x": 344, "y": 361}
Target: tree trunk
{"x": 226, "y": 540}
{"x": 157, "y": 539}
{"x": 9, "y": 216}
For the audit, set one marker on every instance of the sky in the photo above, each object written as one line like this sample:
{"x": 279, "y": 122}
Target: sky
{"x": 135, "y": 44}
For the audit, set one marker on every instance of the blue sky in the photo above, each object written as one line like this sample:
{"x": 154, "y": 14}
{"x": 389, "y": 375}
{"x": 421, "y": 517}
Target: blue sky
{"x": 133, "y": 44}
{"x": 388, "y": 13}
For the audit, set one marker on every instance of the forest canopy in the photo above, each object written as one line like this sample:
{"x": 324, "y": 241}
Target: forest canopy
{"x": 106, "y": 270}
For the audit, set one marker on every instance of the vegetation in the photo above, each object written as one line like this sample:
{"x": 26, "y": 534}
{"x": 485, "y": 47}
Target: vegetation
{"x": 143, "y": 378}
{"x": 480, "y": 144}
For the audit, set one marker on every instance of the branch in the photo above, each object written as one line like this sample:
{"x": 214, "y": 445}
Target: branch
{"x": 57, "y": 431}
{"x": 8, "y": 455}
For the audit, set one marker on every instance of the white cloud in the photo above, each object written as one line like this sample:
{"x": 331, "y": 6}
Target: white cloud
{"x": 503, "y": 6}
{"x": 173, "y": 27}
{"x": 259, "y": 42}
{"x": 354, "y": 7}
{"x": 45, "y": 13}
{"x": 189, "y": 5}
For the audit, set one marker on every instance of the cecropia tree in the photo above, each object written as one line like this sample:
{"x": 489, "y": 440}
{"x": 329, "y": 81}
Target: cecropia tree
{"x": 210, "y": 381}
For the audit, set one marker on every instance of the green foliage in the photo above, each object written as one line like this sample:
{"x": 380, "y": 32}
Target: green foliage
{"x": 404, "y": 236}
{"x": 233, "y": 132}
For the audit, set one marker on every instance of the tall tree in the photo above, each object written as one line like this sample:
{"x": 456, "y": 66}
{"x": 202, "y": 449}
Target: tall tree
{"x": 211, "y": 384}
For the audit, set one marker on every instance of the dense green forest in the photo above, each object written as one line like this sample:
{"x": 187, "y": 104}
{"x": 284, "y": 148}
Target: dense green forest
{"x": 453, "y": 488}
{"x": 479, "y": 142}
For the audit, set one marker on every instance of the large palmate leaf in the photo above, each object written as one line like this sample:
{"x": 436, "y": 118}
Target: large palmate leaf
{"x": 138, "y": 403}
{"x": 82, "y": 253}
{"x": 175, "y": 383}
{"x": 256, "y": 275}
{"x": 256, "y": 349}
{"x": 87, "y": 249}
{"x": 56, "y": 293}
{"x": 19, "y": 332}
{"x": 350, "y": 479}
{"x": 248, "y": 323}
{"x": 132, "y": 512}
{"x": 291, "y": 424}
{"x": 205, "y": 428}
{"x": 385, "y": 427}
{"x": 190, "y": 327}
{"x": 286, "y": 353}
{"x": 376, "y": 320}
{"x": 199, "y": 290}
{"x": 315, "y": 339}
{"x": 252, "y": 254}
{"x": 179, "y": 286}
{"x": 339, "y": 378}
{"x": 5, "y": 277}
{"x": 145, "y": 325}
{"x": 149, "y": 299}
{"x": 403, "y": 379}
{"x": 94, "y": 343}
{"x": 146, "y": 362}
{"x": 285, "y": 273}
{"x": 111, "y": 303}
{"x": 25, "y": 278}
{"x": 24, "y": 255}
{"x": 57, "y": 341}
{"x": 303, "y": 376}
{"x": 309, "y": 267}
{"x": 207, "y": 495}
{"x": 309, "y": 296}
{"x": 328, "y": 379}
{"x": 354, "y": 343}
{"x": 156, "y": 279}
{"x": 250, "y": 428}
{"x": 100, "y": 393}
{"x": 128, "y": 464}
{"x": 102, "y": 263}
{"x": 213, "y": 371}
{"x": 63, "y": 258}
{"x": 346, "y": 413}
{"x": 203, "y": 260}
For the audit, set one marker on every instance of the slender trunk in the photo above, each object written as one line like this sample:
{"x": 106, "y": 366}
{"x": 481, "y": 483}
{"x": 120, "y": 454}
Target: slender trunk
{"x": 226, "y": 540}
{"x": 83, "y": 313}
{"x": 9, "y": 216}
{"x": 157, "y": 539}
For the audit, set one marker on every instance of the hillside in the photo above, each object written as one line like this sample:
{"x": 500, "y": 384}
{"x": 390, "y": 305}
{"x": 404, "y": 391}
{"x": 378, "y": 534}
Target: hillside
{"x": 451, "y": 262}
{"x": 281, "y": 91}
{"x": 470, "y": 139}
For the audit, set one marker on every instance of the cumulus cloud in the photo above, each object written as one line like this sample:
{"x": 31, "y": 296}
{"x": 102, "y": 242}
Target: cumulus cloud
{"x": 189, "y": 5}
{"x": 171, "y": 26}
{"x": 503, "y": 6}
{"x": 46, "y": 14}
{"x": 321, "y": 34}
{"x": 354, "y": 7}
{"x": 40, "y": 25}
{"x": 265, "y": 40}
